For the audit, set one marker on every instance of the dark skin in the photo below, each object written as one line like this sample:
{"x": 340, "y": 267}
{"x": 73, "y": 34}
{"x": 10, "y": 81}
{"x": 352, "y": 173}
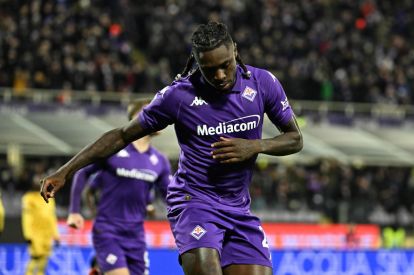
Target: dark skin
{"x": 207, "y": 261}
{"x": 218, "y": 67}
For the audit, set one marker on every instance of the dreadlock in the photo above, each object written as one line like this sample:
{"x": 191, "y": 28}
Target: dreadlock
{"x": 208, "y": 37}
{"x": 246, "y": 73}
{"x": 188, "y": 65}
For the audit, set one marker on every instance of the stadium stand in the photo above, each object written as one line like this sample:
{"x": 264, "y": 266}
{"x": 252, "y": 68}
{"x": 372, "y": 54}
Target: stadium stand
{"x": 325, "y": 50}
{"x": 351, "y": 81}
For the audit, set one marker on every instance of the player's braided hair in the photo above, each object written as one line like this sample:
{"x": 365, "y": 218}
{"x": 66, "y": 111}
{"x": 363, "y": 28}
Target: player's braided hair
{"x": 208, "y": 37}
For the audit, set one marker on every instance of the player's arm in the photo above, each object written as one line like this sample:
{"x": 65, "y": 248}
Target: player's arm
{"x": 91, "y": 199}
{"x": 2, "y": 215}
{"x": 107, "y": 145}
{"x": 289, "y": 142}
{"x": 80, "y": 180}
{"x": 161, "y": 185}
{"x": 164, "y": 179}
{"x": 54, "y": 223}
{"x": 27, "y": 218}
{"x": 230, "y": 150}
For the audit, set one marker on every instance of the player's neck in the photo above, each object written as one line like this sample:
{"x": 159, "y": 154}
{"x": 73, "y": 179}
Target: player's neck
{"x": 142, "y": 145}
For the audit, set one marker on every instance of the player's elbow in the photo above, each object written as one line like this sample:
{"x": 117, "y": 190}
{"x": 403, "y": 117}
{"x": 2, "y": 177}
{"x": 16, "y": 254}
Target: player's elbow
{"x": 108, "y": 144}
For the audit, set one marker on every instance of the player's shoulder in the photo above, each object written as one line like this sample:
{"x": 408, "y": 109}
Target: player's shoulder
{"x": 262, "y": 74}
{"x": 176, "y": 88}
{"x": 30, "y": 196}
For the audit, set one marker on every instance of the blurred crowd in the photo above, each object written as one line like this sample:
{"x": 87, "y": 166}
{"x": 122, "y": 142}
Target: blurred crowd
{"x": 338, "y": 192}
{"x": 346, "y": 50}
{"x": 69, "y": 45}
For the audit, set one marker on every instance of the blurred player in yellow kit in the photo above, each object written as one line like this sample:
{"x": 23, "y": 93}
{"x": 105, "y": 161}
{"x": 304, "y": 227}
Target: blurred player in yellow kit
{"x": 40, "y": 229}
{"x": 2, "y": 215}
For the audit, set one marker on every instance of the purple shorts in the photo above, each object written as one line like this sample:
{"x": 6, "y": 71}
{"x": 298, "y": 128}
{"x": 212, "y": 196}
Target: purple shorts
{"x": 237, "y": 236}
{"x": 120, "y": 247}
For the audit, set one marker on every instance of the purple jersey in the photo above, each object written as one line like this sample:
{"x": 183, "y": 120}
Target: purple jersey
{"x": 201, "y": 116}
{"x": 125, "y": 181}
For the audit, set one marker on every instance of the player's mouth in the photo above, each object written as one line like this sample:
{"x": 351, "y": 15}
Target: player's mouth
{"x": 224, "y": 85}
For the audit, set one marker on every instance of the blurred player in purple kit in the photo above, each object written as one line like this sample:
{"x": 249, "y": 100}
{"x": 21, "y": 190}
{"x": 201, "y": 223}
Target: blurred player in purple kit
{"x": 217, "y": 106}
{"x": 125, "y": 181}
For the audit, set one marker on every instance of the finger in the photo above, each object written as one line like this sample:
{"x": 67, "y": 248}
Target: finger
{"x": 225, "y": 156}
{"x": 221, "y": 144}
{"x": 56, "y": 187}
{"x": 43, "y": 190}
{"x": 232, "y": 160}
{"x": 222, "y": 151}
{"x": 216, "y": 144}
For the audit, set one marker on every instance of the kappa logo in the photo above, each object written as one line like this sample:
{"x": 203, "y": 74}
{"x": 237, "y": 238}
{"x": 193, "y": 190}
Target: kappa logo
{"x": 198, "y": 101}
{"x": 249, "y": 93}
{"x": 162, "y": 92}
{"x": 111, "y": 258}
{"x": 198, "y": 232}
{"x": 285, "y": 104}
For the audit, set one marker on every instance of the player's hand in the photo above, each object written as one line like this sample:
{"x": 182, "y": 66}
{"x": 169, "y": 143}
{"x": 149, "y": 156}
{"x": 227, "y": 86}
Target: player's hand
{"x": 231, "y": 150}
{"x": 51, "y": 184}
{"x": 75, "y": 220}
{"x": 150, "y": 211}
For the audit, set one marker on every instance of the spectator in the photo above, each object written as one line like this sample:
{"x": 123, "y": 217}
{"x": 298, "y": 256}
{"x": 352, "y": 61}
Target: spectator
{"x": 324, "y": 50}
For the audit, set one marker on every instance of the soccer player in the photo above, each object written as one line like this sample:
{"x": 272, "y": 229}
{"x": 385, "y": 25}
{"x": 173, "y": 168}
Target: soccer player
{"x": 40, "y": 229}
{"x": 217, "y": 106}
{"x": 125, "y": 181}
{"x": 2, "y": 215}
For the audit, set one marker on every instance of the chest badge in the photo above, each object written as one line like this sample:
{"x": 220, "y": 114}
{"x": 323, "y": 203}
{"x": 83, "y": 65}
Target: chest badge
{"x": 249, "y": 93}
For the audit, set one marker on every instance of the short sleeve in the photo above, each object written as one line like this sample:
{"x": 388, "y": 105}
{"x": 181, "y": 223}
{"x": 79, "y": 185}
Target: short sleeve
{"x": 276, "y": 104}
{"x": 161, "y": 112}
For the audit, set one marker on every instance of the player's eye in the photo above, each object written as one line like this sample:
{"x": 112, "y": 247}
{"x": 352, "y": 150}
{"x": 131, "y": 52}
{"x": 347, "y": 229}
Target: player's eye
{"x": 225, "y": 65}
{"x": 209, "y": 71}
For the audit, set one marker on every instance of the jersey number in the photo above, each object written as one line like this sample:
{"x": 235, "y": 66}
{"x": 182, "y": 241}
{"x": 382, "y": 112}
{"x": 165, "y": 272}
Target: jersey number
{"x": 264, "y": 242}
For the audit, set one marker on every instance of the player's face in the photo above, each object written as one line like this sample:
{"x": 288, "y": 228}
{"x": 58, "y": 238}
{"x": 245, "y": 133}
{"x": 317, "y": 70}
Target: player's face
{"x": 218, "y": 66}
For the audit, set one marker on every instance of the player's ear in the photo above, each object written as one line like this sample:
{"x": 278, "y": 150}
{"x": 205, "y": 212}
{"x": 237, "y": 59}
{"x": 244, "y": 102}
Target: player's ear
{"x": 235, "y": 49}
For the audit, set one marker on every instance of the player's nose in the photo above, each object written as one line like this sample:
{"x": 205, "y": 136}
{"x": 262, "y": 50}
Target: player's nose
{"x": 219, "y": 76}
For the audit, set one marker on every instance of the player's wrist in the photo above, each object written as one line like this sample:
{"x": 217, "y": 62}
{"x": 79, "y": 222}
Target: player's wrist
{"x": 64, "y": 172}
{"x": 259, "y": 146}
